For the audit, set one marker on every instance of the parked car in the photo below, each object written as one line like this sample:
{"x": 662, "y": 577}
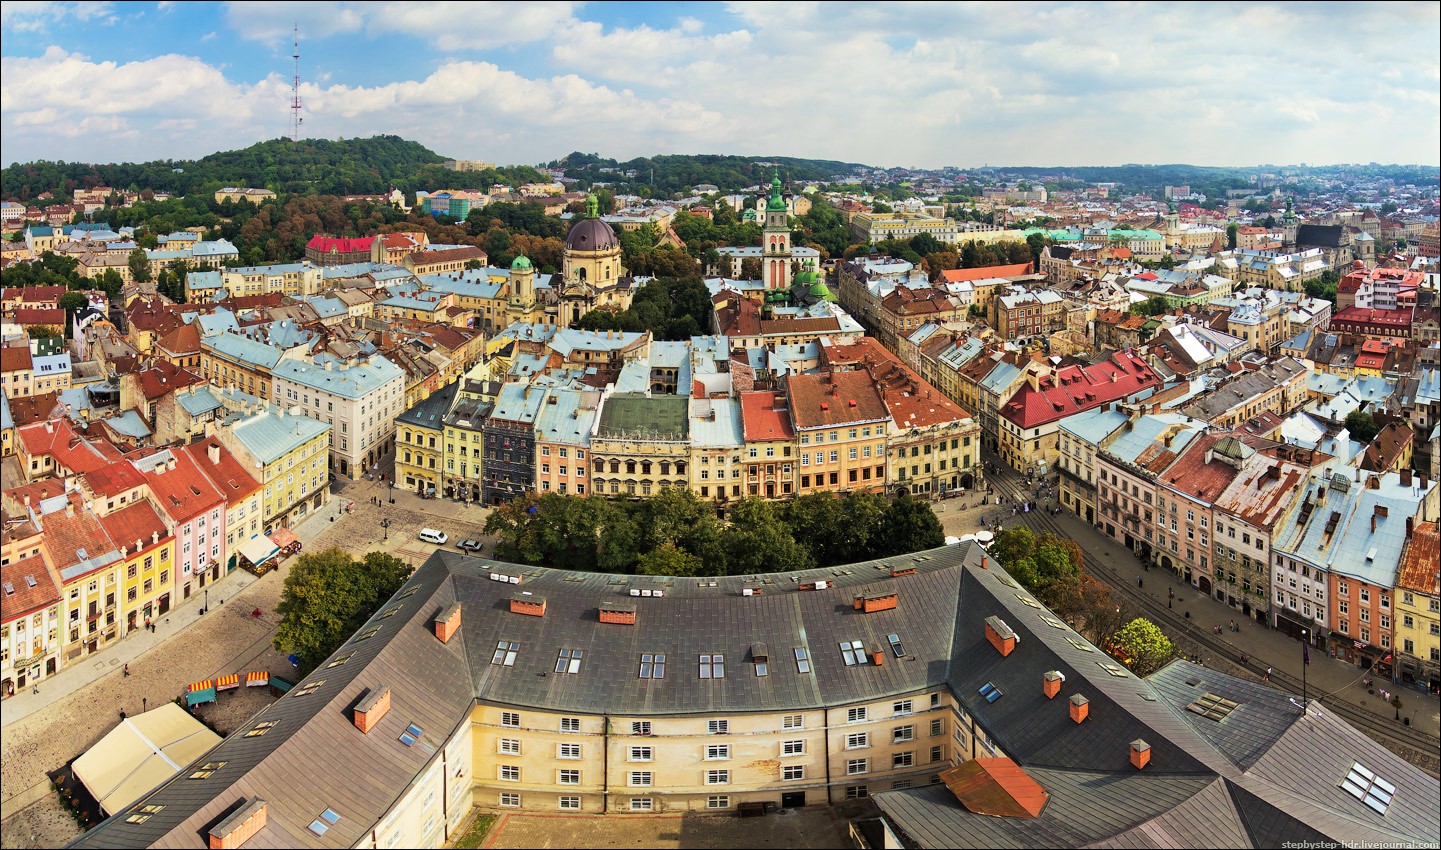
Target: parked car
{"x": 431, "y": 535}
{"x": 470, "y": 546}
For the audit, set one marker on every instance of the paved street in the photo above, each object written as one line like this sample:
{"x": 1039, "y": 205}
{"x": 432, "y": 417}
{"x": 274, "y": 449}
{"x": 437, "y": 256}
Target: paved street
{"x": 1266, "y": 647}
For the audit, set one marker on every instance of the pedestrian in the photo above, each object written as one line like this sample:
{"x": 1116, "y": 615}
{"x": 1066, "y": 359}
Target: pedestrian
{"x": 127, "y": 671}
{"x": 1268, "y": 674}
{"x": 1139, "y": 583}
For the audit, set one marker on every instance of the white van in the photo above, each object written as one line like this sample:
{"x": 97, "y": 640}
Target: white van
{"x": 430, "y": 535}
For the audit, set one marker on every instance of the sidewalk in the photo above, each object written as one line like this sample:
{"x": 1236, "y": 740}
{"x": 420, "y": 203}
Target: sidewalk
{"x": 234, "y": 588}
{"x": 1325, "y": 676}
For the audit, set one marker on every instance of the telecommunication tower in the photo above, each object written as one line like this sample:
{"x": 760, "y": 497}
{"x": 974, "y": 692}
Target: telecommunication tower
{"x": 295, "y": 119}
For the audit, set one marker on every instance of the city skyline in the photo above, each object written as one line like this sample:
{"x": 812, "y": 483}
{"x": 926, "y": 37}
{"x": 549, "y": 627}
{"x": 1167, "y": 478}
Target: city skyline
{"x": 530, "y": 82}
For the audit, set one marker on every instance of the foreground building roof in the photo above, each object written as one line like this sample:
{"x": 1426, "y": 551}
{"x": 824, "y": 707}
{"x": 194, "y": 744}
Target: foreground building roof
{"x": 1261, "y": 775}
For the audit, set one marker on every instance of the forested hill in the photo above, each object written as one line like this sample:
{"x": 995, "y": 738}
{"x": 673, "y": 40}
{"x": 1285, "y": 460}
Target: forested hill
{"x": 671, "y": 173}
{"x": 319, "y": 166}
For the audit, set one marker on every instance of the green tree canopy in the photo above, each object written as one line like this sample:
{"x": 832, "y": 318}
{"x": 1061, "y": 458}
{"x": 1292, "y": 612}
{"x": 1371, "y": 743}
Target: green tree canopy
{"x": 1141, "y": 646}
{"x": 328, "y": 596}
{"x": 1362, "y": 426}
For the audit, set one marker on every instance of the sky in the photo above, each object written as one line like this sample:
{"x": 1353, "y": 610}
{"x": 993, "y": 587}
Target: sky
{"x": 890, "y": 84}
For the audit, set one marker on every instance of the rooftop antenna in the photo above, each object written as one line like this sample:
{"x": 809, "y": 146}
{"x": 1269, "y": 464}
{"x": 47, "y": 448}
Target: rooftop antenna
{"x": 295, "y": 119}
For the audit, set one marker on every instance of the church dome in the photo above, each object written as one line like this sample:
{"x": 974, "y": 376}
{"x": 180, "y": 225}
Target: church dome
{"x": 591, "y": 234}
{"x": 520, "y": 264}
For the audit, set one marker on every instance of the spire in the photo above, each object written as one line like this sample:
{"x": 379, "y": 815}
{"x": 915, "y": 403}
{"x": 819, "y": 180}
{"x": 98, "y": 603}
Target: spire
{"x": 776, "y": 202}
{"x": 592, "y": 206}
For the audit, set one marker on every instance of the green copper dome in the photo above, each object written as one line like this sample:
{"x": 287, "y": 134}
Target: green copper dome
{"x": 776, "y": 203}
{"x": 521, "y": 264}
{"x": 821, "y": 291}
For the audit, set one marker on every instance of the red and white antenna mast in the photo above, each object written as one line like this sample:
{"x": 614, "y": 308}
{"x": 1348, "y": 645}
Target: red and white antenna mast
{"x": 295, "y": 119}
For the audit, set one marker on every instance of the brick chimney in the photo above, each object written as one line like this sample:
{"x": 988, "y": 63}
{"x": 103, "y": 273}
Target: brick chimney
{"x": 447, "y": 623}
{"x": 369, "y": 710}
{"x": 620, "y": 613}
{"x": 1051, "y": 683}
{"x": 878, "y": 656}
{"x": 1000, "y": 635}
{"x": 872, "y": 602}
{"x": 236, "y": 829}
{"x": 213, "y": 450}
{"x": 533, "y": 606}
{"x": 1140, "y": 754}
{"x": 1080, "y": 707}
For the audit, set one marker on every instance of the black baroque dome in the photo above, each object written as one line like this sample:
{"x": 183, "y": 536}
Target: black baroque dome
{"x": 591, "y": 234}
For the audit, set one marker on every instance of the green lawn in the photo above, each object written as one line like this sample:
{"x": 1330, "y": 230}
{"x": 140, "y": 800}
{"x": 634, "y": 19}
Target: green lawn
{"x": 473, "y": 837}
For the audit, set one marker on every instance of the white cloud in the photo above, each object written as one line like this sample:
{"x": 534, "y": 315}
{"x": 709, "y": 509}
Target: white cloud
{"x": 29, "y": 16}
{"x": 449, "y": 26}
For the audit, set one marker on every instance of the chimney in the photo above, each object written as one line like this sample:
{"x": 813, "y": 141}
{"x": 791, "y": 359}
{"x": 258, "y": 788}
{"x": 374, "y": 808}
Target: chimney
{"x": 985, "y": 562}
{"x": 530, "y": 605}
{"x": 1405, "y": 478}
{"x": 447, "y": 623}
{"x": 1000, "y": 635}
{"x": 1409, "y": 526}
{"x": 620, "y": 613}
{"x": 236, "y": 829}
{"x": 878, "y": 657}
{"x": 69, "y": 508}
{"x": 369, "y": 710}
{"x": 213, "y": 450}
{"x": 1140, "y": 754}
{"x": 1051, "y": 683}
{"x": 1080, "y": 708}
{"x": 873, "y": 602}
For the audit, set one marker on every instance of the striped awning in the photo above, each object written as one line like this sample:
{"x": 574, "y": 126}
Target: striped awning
{"x": 225, "y": 683}
{"x": 202, "y": 686}
{"x": 257, "y": 679}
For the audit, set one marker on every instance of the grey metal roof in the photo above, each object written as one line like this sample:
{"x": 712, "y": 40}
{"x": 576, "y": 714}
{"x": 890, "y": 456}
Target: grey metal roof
{"x": 1263, "y": 716}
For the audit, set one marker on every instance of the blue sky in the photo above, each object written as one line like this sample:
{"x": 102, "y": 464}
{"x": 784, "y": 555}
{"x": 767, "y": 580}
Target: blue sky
{"x": 917, "y": 84}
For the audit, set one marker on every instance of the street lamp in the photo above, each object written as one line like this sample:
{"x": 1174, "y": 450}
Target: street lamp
{"x": 207, "y": 601}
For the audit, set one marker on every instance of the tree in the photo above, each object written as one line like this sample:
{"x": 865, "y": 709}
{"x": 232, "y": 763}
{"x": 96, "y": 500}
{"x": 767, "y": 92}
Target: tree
{"x": 139, "y": 266}
{"x": 668, "y": 560}
{"x": 910, "y": 525}
{"x": 1153, "y": 306}
{"x": 70, "y": 302}
{"x": 1141, "y": 646}
{"x": 750, "y": 269}
{"x": 1231, "y": 236}
{"x": 1362, "y": 426}
{"x": 43, "y": 331}
{"x": 328, "y": 596}
{"x": 756, "y": 541}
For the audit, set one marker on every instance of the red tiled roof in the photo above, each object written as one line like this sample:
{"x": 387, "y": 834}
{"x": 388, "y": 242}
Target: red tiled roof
{"x": 984, "y": 272}
{"x": 67, "y": 536}
{"x": 1073, "y": 389}
{"x": 113, "y": 480}
{"x": 1420, "y": 567}
{"x": 840, "y": 398}
{"x": 136, "y": 521}
{"x": 20, "y": 598}
{"x": 764, "y": 417}
{"x": 448, "y": 255}
{"x": 183, "y": 340}
{"x": 165, "y": 377}
{"x": 338, "y": 245}
{"x": 228, "y": 475}
{"x": 34, "y": 294}
{"x": 185, "y": 491}
{"x": 39, "y": 316}
{"x": 16, "y": 359}
{"x": 68, "y": 449}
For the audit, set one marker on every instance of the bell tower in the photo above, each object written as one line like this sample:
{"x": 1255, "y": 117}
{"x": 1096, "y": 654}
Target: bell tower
{"x": 776, "y": 241}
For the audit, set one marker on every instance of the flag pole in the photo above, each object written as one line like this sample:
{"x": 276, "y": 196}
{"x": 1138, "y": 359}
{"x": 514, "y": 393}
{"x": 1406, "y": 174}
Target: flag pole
{"x": 1305, "y": 662}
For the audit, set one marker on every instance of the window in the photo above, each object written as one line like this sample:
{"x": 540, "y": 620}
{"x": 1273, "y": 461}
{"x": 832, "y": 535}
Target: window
{"x": 652, "y": 665}
{"x": 718, "y": 802}
{"x": 718, "y": 751}
{"x": 510, "y": 801}
{"x": 935, "y": 754}
{"x": 570, "y": 804}
{"x": 856, "y": 715}
{"x": 712, "y": 666}
{"x": 858, "y": 740}
{"x": 510, "y": 718}
{"x": 569, "y": 661}
{"x": 793, "y": 748}
{"x": 937, "y": 727}
{"x": 903, "y": 733}
{"x": 509, "y": 746}
{"x": 640, "y": 778}
{"x": 261, "y": 729}
{"x": 568, "y": 751}
{"x": 853, "y": 652}
{"x": 322, "y": 824}
{"x": 411, "y": 734}
{"x": 510, "y": 772}
{"x": 855, "y": 767}
{"x": 640, "y": 727}
{"x": 803, "y": 660}
{"x": 505, "y": 653}
{"x": 895, "y": 641}
{"x": 641, "y": 753}
{"x": 207, "y": 770}
{"x": 641, "y": 804}
{"x": 718, "y": 727}
{"x": 568, "y": 777}
{"x": 856, "y": 792}
{"x": 793, "y": 772}
{"x": 904, "y": 759}
{"x": 717, "y": 777}
{"x": 570, "y": 724}
{"x": 902, "y": 707}
{"x": 1369, "y": 788}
